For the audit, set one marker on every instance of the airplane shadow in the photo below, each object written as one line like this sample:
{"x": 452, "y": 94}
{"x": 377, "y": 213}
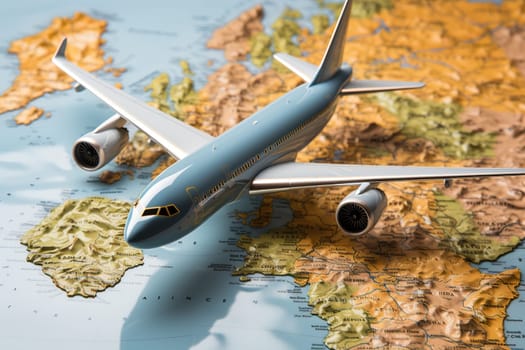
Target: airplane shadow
{"x": 177, "y": 309}
{"x": 191, "y": 287}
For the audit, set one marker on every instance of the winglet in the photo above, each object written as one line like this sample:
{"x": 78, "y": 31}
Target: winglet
{"x": 61, "y": 51}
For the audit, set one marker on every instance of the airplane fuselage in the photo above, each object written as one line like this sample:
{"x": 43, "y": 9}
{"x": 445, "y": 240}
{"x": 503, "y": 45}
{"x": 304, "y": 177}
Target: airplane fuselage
{"x": 190, "y": 191}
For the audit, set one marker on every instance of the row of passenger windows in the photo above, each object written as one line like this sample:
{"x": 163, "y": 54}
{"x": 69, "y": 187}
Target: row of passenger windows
{"x": 167, "y": 210}
{"x": 248, "y": 164}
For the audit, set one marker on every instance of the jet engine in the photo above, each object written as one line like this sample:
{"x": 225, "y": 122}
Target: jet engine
{"x": 360, "y": 211}
{"x": 95, "y": 149}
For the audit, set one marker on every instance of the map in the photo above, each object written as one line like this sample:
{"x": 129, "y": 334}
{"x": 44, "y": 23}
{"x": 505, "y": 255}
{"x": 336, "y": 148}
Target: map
{"x": 442, "y": 269}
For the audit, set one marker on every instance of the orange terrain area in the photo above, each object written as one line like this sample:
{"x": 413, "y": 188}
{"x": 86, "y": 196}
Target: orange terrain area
{"x": 38, "y": 75}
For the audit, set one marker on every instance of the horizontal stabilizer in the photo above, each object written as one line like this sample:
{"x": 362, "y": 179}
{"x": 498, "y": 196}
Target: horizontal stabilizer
{"x": 366, "y": 86}
{"x": 303, "y": 69}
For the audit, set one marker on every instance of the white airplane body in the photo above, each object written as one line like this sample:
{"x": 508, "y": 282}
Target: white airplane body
{"x": 256, "y": 156}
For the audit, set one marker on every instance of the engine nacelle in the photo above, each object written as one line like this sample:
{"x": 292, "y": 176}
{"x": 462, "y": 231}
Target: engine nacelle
{"x": 95, "y": 149}
{"x": 359, "y": 212}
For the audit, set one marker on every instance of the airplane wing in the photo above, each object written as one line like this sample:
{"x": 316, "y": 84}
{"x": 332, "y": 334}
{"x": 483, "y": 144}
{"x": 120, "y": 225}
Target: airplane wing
{"x": 288, "y": 176}
{"x": 178, "y": 138}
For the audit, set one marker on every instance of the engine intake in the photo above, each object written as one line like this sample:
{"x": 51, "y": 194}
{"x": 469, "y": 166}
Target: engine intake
{"x": 95, "y": 149}
{"x": 358, "y": 212}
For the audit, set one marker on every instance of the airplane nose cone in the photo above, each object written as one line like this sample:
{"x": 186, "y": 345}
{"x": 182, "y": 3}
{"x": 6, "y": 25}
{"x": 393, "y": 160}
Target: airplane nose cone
{"x": 138, "y": 233}
{"x": 152, "y": 232}
{"x": 136, "y": 236}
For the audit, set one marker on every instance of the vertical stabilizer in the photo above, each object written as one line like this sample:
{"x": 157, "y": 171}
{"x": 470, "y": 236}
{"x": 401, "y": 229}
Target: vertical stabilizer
{"x": 333, "y": 57}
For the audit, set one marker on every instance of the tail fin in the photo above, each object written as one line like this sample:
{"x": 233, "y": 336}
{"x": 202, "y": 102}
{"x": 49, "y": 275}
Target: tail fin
{"x": 333, "y": 57}
{"x": 332, "y": 60}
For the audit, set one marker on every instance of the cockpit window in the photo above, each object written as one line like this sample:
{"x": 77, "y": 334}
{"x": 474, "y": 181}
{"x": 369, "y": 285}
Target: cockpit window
{"x": 150, "y": 211}
{"x": 166, "y": 210}
{"x": 172, "y": 210}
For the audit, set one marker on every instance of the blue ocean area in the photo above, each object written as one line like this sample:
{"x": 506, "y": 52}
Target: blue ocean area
{"x": 514, "y": 325}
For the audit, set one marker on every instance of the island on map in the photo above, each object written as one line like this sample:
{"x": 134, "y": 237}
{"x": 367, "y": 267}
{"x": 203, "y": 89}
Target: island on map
{"x": 80, "y": 245}
{"x": 38, "y": 75}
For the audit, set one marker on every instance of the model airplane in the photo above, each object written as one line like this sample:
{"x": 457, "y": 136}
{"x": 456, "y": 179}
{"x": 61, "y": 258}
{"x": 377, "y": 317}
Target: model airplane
{"x": 256, "y": 156}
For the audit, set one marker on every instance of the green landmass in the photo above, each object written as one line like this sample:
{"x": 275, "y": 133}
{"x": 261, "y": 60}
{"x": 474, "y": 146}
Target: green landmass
{"x": 260, "y": 48}
{"x": 282, "y": 39}
{"x": 320, "y": 23}
{"x": 182, "y": 93}
{"x": 368, "y": 8}
{"x": 185, "y": 66}
{"x": 158, "y": 89}
{"x": 334, "y": 7}
{"x": 360, "y": 8}
{"x": 439, "y": 123}
{"x": 462, "y": 234}
{"x": 274, "y": 253}
{"x": 81, "y": 246}
{"x": 285, "y": 29}
{"x": 171, "y": 98}
{"x": 349, "y": 325}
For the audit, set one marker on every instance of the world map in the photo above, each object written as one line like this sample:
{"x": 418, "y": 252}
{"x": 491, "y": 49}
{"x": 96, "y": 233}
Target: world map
{"x": 442, "y": 269}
